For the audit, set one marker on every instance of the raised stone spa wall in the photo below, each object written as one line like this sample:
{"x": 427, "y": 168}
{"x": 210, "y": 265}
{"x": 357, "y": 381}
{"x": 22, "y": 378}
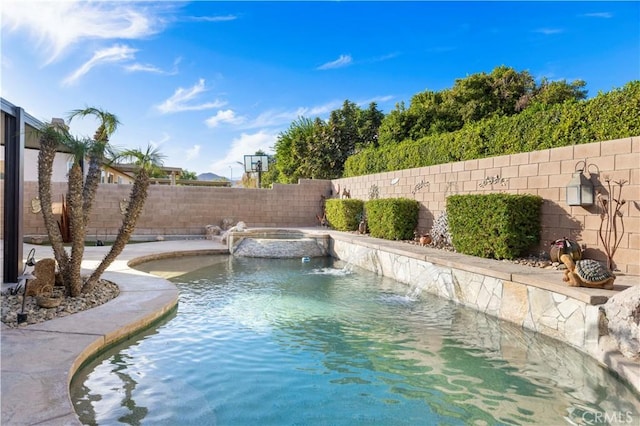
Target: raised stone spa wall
{"x": 527, "y": 297}
{"x": 277, "y": 243}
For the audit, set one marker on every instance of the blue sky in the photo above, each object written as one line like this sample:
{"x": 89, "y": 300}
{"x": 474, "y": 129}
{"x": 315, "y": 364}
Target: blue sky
{"x": 208, "y": 82}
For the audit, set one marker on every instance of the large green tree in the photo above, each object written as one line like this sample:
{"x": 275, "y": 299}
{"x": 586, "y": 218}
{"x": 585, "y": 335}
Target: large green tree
{"x": 313, "y": 148}
{"x": 503, "y": 92}
{"x": 292, "y": 150}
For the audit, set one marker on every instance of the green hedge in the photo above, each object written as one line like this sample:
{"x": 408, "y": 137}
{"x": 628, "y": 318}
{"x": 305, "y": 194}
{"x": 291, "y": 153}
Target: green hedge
{"x": 344, "y": 214}
{"x": 608, "y": 116}
{"x": 500, "y": 226}
{"x": 392, "y": 218}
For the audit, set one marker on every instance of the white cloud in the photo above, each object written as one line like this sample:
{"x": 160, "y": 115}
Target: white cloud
{"x": 214, "y": 18}
{"x": 272, "y": 118}
{"x": 342, "y": 61}
{"x": 193, "y": 152}
{"x": 245, "y": 144}
{"x": 226, "y": 116}
{"x": 57, "y": 25}
{"x": 377, "y": 99}
{"x": 605, "y": 15}
{"x": 182, "y": 98}
{"x": 549, "y": 31}
{"x": 384, "y": 57}
{"x": 137, "y": 67}
{"x": 117, "y": 53}
{"x": 157, "y": 144}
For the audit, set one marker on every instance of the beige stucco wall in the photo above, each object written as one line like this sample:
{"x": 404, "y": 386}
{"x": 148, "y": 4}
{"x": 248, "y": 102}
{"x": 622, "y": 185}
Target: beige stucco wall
{"x": 176, "y": 210}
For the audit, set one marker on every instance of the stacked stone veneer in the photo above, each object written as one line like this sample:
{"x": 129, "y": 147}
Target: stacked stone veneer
{"x": 493, "y": 292}
{"x": 270, "y": 243}
{"x": 524, "y": 296}
{"x": 182, "y": 210}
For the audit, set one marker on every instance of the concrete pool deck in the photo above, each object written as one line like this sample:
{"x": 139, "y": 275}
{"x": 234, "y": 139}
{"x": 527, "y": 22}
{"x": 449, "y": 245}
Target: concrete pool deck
{"x": 38, "y": 361}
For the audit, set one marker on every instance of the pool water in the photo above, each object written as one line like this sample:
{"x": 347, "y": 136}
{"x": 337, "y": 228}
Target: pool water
{"x": 285, "y": 342}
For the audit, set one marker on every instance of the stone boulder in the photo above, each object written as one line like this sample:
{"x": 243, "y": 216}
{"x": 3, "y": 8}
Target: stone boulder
{"x": 623, "y": 318}
{"x": 238, "y": 227}
{"x": 45, "y": 273}
{"x": 211, "y": 231}
{"x": 227, "y": 223}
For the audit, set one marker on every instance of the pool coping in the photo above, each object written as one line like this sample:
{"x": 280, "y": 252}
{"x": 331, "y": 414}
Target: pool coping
{"x": 38, "y": 361}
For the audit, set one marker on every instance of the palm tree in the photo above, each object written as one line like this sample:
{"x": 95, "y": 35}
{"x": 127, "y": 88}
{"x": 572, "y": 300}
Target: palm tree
{"x": 108, "y": 125}
{"x": 51, "y": 136}
{"x": 75, "y": 203}
{"x": 81, "y": 190}
{"x": 147, "y": 161}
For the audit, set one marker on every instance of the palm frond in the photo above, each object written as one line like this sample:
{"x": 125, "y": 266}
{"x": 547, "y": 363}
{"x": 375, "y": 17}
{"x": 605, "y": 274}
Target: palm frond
{"x": 108, "y": 122}
{"x": 79, "y": 148}
{"x": 53, "y": 132}
{"x": 148, "y": 160}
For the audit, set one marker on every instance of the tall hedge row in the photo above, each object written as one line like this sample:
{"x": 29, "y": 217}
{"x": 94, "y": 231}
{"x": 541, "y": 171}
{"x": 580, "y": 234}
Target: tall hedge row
{"x": 499, "y": 226}
{"x": 344, "y": 214}
{"x": 608, "y": 116}
{"x": 392, "y": 218}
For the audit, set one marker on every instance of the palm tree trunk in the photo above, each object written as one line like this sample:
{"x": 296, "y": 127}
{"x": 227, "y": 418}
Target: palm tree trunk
{"x": 76, "y": 223}
{"x": 91, "y": 182}
{"x": 48, "y": 145}
{"x": 137, "y": 199}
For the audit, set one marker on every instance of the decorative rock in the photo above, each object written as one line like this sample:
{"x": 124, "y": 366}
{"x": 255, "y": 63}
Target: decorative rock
{"x": 45, "y": 272}
{"x": 623, "y": 315}
{"x": 239, "y": 227}
{"x": 211, "y": 230}
{"x": 12, "y": 304}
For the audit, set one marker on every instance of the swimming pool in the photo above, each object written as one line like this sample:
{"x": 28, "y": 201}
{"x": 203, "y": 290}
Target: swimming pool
{"x": 282, "y": 342}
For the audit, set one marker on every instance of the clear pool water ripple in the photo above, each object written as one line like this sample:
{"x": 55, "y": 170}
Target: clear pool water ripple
{"x": 284, "y": 342}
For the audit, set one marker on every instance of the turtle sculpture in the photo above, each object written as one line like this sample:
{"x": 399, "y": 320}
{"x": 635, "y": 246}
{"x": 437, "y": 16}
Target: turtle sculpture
{"x": 587, "y": 273}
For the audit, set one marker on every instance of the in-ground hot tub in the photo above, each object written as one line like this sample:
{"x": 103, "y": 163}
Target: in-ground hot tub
{"x": 278, "y": 243}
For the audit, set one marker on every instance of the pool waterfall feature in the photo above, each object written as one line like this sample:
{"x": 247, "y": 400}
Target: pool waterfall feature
{"x": 278, "y": 243}
{"x": 511, "y": 292}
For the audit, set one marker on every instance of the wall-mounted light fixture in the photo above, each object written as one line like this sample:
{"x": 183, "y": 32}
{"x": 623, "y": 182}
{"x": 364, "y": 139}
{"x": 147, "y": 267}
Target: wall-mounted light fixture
{"x": 580, "y": 188}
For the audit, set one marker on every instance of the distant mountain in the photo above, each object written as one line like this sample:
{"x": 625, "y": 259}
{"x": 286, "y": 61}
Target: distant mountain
{"x": 210, "y": 176}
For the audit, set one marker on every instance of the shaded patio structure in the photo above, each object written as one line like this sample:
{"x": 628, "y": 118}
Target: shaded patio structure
{"x": 19, "y": 131}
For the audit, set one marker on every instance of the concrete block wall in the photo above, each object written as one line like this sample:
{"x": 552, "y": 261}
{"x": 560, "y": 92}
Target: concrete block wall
{"x": 545, "y": 173}
{"x": 182, "y": 210}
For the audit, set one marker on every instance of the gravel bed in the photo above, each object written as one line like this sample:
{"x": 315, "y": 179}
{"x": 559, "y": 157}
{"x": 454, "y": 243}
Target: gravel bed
{"x": 541, "y": 261}
{"x": 103, "y": 292}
